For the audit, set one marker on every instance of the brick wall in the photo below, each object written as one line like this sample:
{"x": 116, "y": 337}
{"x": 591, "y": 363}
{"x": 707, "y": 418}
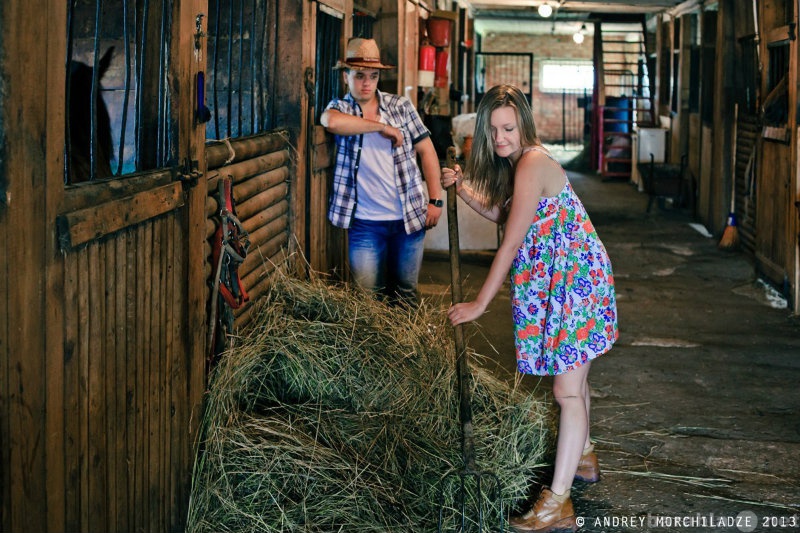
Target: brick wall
{"x": 547, "y": 107}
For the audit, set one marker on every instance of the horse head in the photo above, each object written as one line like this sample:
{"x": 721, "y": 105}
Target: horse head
{"x": 80, "y": 130}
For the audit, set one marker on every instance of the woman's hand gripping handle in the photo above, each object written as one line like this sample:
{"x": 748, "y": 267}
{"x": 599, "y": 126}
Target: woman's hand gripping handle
{"x": 452, "y": 174}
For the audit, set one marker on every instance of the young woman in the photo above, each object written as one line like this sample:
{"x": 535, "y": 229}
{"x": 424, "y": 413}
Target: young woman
{"x": 562, "y": 287}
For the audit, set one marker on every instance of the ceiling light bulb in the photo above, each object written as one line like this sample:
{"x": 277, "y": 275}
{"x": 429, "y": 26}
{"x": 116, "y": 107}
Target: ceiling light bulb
{"x": 545, "y": 10}
{"x": 577, "y": 37}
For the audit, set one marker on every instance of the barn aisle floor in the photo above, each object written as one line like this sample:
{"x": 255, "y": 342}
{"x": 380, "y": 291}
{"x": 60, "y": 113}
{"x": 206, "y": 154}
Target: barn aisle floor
{"x": 695, "y": 411}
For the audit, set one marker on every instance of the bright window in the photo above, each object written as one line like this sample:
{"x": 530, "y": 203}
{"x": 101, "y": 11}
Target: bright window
{"x": 571, "y": 76}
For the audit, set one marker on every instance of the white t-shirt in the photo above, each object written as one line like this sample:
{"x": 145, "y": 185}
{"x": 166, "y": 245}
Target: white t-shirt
{"x": 376, "y": 185}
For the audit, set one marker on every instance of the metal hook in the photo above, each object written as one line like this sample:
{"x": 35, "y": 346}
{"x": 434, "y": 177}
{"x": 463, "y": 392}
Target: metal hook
{"x": 199, "y": 33}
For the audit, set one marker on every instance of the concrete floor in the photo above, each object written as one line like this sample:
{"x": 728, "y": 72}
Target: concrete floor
{"x": 696, "y": 410}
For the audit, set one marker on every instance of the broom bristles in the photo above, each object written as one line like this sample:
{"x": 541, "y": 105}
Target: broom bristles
{"x": 730, "y": 237}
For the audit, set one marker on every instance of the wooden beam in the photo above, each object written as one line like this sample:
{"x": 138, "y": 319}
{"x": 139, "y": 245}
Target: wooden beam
{"x": 219, "y": 153}
{"x": 24, "y": 27}
{"x": 84, "y": 225}
{"x": 54, "y": 295}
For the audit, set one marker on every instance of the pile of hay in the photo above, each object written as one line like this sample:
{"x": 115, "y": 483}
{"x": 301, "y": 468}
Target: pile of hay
{"x": 337, "y": 413}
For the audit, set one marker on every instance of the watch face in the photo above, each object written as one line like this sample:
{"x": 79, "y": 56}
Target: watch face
{"x": 437, "y": 203}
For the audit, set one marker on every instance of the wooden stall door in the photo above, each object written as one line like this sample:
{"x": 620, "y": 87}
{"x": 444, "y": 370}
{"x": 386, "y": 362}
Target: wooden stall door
{"x": 127, "y": 366}
{"x": 775, "y": 204}
{"x": 775, "y": 223}
{"x": 131, "y": 377}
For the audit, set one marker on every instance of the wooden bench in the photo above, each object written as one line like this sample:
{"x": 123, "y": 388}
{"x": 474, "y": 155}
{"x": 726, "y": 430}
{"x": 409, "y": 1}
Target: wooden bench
{"x": 663, "y": 180}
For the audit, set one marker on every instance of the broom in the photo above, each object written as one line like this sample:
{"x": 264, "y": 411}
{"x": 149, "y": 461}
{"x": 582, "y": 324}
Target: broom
{"x": 730, "y": 237}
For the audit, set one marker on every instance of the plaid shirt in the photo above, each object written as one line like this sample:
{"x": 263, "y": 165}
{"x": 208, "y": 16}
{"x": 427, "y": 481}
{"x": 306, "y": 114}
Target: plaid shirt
{"x": 398, "y": 112}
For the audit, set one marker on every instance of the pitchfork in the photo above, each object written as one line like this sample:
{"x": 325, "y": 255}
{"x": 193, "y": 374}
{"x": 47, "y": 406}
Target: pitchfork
{"x": 469, "y": 477}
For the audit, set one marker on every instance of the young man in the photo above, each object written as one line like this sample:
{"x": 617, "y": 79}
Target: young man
{"x": 379, "y": 194}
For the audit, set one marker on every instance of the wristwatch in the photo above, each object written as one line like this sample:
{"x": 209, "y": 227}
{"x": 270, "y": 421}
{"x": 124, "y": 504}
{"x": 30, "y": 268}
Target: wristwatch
{"x": 436, "y": 202}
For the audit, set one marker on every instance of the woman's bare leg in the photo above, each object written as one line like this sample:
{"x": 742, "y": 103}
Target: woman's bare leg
{"x": 588, "y": 400}
{"x": 571, "y": 393}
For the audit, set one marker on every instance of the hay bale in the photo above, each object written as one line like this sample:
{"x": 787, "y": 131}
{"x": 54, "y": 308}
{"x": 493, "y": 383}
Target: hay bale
{"x": 334, "y": 412}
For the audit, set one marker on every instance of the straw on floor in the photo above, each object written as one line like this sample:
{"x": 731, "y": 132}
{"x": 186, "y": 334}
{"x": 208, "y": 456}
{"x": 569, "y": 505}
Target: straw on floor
{"x": 334, "y": 412}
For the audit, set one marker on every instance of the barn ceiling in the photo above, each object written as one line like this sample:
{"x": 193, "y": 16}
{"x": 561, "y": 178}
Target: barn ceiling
{"x": 528, "y": 8}
{"x": 513, "y": 16}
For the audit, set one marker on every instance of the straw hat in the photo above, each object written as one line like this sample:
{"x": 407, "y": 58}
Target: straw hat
{"x": 362, "y": 54}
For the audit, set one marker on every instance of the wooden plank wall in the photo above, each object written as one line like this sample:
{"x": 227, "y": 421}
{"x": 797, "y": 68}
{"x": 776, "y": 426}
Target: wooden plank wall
{"x": 748, "y": 133}
{"x": 321, "y": 170}
{"x": 774, "y": 205}
{"x": 693, "y": 148}
{"x": 126, "y": 398}
{"x": 260, "y": 167}
{"x": 705, "y": 176}
{"x": 721, "y": 177}
{"x": 328, "y": 249}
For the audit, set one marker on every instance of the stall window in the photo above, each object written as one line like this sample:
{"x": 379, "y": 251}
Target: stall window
{"x": 570, "y": 76}
{"x": 329, "y": 81}
{"x": 676, "y": 56}
{"x": 776, "y": 101}
{"x": 707, "y": 66}
{"x": 240, "y": 48}
{"x": 665, "y": 76}
{"x": 363, "y": 24}
{"x": 694, "y": 79}
{"x": 748, "y": 69}
{"x": 119, "y": 112}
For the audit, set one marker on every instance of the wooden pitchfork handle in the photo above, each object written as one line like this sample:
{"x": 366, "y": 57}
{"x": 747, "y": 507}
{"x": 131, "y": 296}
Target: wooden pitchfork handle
{"x": 462, "y": 358}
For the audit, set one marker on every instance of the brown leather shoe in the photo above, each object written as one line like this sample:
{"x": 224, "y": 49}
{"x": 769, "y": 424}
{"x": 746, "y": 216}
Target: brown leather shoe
{"x": 588, "y": 468}
{"x": 547, "y": 515}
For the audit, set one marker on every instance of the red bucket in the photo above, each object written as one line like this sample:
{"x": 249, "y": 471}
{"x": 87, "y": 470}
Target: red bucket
{"x": 439, "y": 32}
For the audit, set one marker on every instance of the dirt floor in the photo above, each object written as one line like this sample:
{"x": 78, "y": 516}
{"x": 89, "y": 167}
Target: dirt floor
{"x": 696, "y": 410}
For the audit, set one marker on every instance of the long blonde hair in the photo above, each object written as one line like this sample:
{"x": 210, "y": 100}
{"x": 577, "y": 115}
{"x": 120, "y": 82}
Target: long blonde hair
{"x": 492, "y": 176}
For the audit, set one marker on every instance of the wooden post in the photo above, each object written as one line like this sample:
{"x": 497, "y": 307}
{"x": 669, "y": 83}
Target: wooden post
{"x": 28, "y": 435}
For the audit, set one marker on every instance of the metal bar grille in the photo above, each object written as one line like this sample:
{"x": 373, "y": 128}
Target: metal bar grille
{"x": 363, "y": 25}
{"x": 117, "y": 62}
{"x": 329, "y": 34}
{"x": 238, "y": 47}
{"x": 494, "y": 68}
{"x": 573, "y": 116}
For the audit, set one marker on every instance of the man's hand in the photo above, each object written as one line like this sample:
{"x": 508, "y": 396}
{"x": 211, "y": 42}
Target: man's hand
{"x": 434, "y": 213}
{"x": 394, "y": 134}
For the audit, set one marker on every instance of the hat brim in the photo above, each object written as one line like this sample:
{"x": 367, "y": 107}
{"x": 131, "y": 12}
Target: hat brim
{"x": 360, "y": 65}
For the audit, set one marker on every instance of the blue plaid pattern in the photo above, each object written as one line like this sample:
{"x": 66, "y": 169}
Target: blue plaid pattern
{"x": 399, "y": 112}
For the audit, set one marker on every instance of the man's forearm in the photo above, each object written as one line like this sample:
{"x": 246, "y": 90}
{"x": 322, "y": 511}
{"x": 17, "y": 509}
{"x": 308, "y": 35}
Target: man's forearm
{"x": 344, "y": 124}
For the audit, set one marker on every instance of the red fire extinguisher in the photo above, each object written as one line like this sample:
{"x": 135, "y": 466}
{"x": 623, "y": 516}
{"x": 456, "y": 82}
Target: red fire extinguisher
{"x": 427, "y": 65}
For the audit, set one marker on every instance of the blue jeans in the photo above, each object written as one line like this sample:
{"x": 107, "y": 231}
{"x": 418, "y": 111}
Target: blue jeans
{"x": 384, "y": 259}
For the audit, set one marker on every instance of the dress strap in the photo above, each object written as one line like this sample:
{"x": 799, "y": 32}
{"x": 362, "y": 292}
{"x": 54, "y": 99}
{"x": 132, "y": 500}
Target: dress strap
{"x": 548, "y": 154}
{"x": 544, "y": 151}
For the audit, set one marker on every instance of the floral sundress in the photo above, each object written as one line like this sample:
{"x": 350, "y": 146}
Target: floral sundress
{"x": 562, "y": 289}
